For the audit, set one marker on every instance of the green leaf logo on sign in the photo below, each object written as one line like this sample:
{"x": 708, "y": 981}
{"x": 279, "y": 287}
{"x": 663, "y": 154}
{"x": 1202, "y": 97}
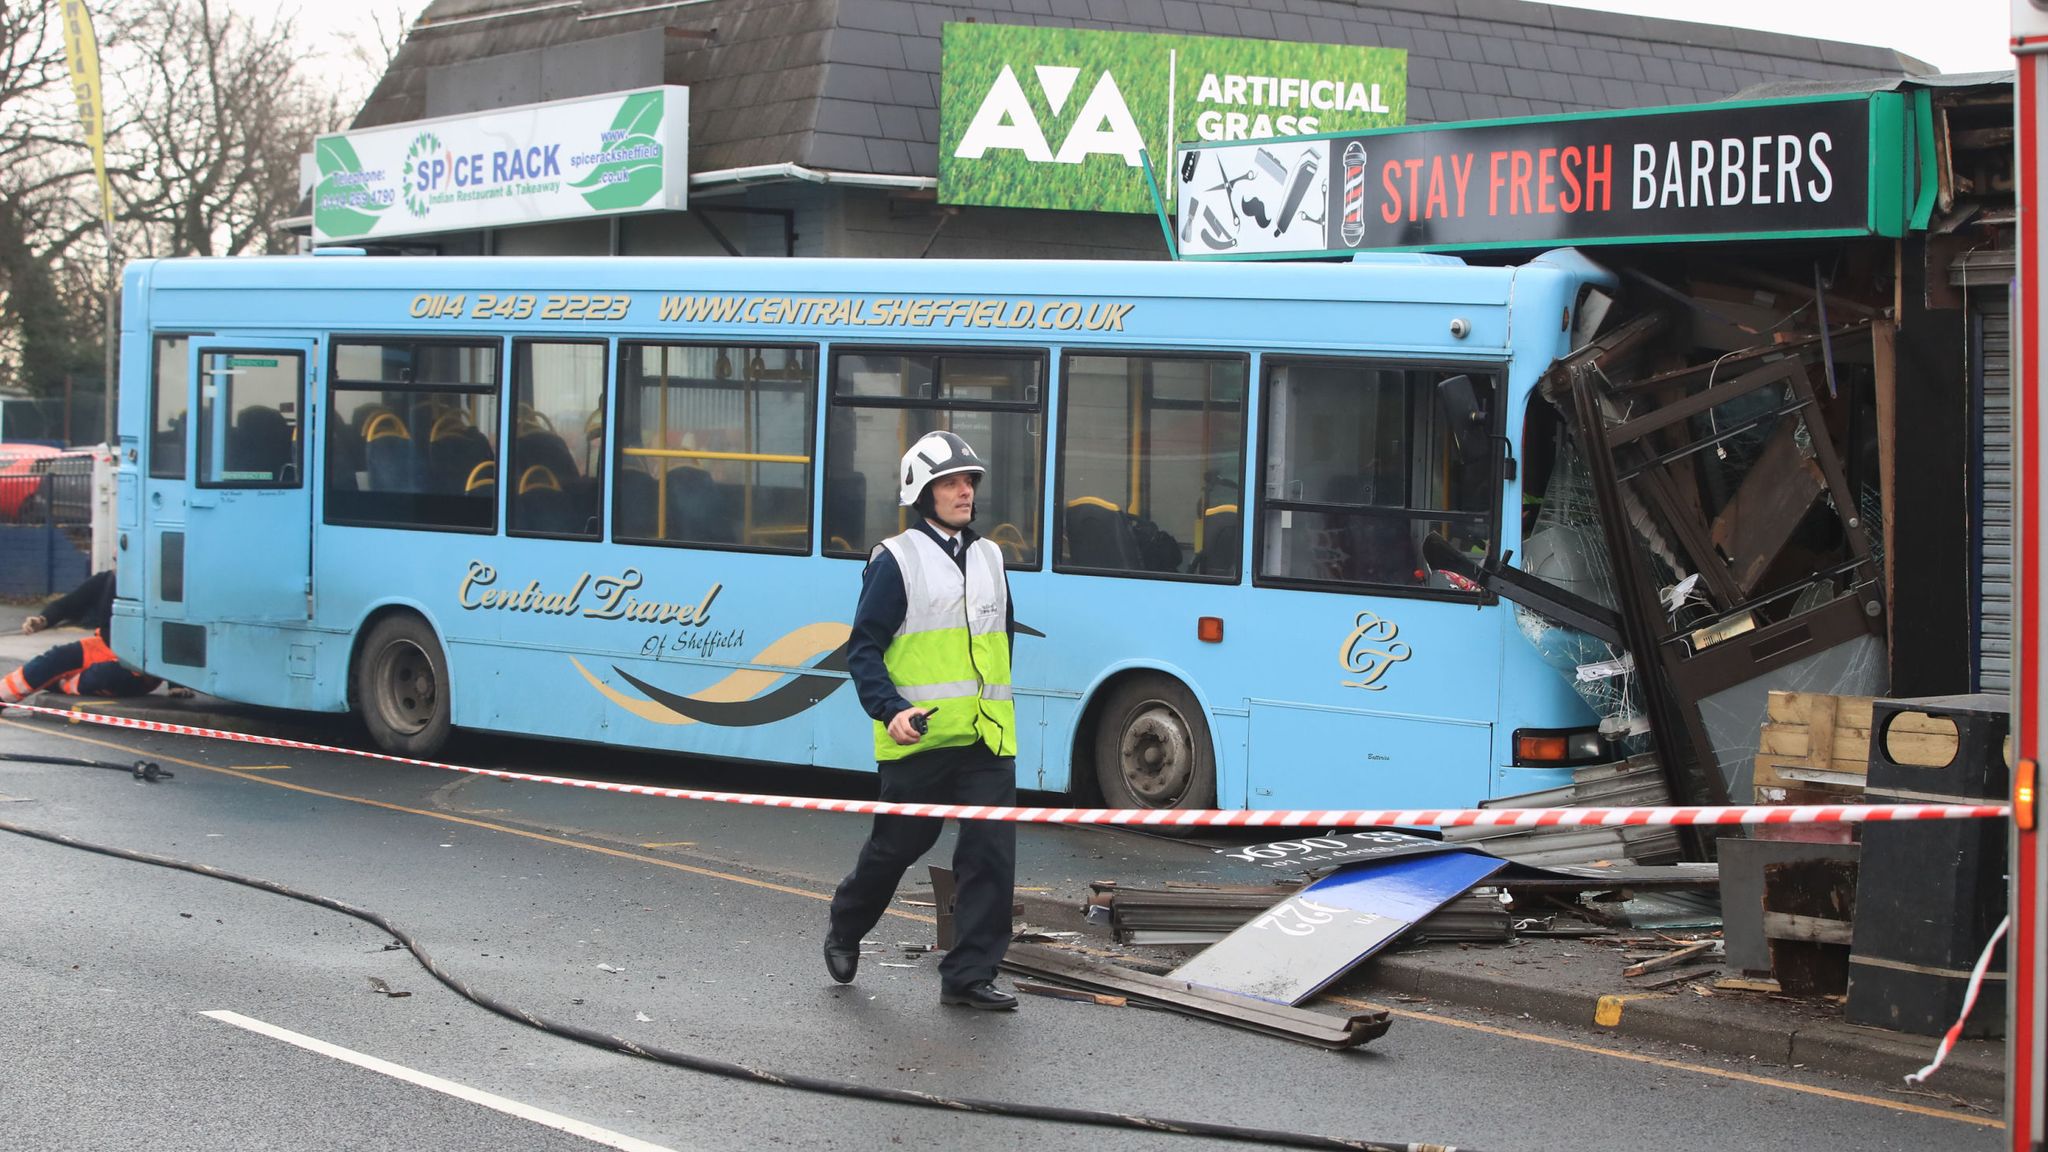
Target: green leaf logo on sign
{"x": 343, "y": 201}
{"x": 631, "y": 173}
{"x": 1059, "y": 117}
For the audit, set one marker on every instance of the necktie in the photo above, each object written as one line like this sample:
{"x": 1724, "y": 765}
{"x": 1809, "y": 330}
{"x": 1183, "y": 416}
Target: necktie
{"x": 952, "y": 546}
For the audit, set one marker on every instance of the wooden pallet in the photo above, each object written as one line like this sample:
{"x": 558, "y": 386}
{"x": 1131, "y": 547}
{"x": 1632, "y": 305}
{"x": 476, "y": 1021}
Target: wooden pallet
{"x": 1815, "y": 748}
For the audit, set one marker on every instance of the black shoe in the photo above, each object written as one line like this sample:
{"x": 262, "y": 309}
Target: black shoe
{"x": 840, "y": 960}
{"x": 984, "y": 995}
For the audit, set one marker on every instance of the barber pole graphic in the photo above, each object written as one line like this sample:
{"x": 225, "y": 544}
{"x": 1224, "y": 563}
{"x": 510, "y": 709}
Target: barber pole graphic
{"x": 1354, "y": 194}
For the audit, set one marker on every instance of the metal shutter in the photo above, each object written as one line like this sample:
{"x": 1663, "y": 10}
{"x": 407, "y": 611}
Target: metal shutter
{"x": 1991, "y": 321}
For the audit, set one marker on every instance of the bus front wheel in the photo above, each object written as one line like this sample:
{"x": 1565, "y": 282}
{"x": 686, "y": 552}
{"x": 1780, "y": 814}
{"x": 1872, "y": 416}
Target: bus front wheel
{"x": 402, "y": 687}
{"x": 1152, "y": 747}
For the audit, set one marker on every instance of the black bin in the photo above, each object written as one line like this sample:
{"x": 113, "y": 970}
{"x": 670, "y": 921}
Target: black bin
{"x": 1931, "y": 893}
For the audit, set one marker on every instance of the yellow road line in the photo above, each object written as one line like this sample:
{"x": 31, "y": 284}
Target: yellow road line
{"x": 824, "y": 897}
{"x": 1403, "y": 1013}
{"x": 1674, "y": 1065}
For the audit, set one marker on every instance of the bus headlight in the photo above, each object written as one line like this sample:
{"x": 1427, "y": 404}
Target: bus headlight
{"x": 1560, "y": 747}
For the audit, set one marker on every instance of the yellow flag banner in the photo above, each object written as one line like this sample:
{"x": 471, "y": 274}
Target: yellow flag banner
{"x": 82, "y": 54}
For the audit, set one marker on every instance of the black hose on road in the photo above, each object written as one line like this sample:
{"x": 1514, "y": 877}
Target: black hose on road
{"x": 1089, "y": 1116}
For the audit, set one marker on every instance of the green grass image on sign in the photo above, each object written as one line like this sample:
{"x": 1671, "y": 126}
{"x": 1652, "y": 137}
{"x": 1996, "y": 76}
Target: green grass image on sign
{"x": 1058, "y": 117}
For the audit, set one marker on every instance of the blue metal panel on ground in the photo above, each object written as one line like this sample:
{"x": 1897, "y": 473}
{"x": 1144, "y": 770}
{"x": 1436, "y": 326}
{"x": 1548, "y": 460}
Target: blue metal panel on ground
{"x": 1316, "y": 935}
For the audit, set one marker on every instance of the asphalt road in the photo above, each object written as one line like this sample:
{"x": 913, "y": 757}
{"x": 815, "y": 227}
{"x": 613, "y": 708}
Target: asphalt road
{"x": 690, "y": 926}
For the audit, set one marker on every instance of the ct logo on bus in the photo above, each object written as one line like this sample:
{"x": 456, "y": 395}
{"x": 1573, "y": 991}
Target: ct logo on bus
{"x": 1370, "y": 650}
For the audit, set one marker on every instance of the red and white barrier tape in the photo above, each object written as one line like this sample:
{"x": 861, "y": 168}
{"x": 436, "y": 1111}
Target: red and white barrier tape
{"x": 1955, "y": 1031}
{"x": 1209, "y": 818}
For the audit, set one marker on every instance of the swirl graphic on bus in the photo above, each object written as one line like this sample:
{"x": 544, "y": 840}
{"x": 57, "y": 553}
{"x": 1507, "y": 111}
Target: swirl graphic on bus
{"x": 1370, "y": 650}
{"x": 1353, "y": 226}
{"x": 750, "y": 696}
{"x": 742, "y": 699}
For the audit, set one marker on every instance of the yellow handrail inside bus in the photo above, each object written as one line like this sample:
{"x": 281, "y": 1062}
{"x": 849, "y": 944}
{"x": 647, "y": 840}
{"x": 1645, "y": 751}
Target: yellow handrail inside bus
{"x": 486, "y": 472}
{"x": 690, "y": 454}
{"x": 538, "y": 476}
{"x": 383, "y": 426}
{"x": 451, "y": 423}
{"x": 1092, "y": 502}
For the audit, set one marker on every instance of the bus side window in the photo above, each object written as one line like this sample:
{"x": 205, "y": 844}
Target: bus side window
{"x": 884, "y": 399}
{"x": 246, "y": 437}
{"x": 412, "y": 434}
{"x": 714, "y": 445}
{"x": 168, "y": 404}
{"x": 1361, "y": 465}
{"x": 1151, "y": 465}
{"x": 558, "y": 390}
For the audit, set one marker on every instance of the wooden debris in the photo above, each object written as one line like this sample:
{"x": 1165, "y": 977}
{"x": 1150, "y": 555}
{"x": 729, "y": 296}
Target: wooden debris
{"x": 1671, "y": 959}
{"x": 1056, "y": 992}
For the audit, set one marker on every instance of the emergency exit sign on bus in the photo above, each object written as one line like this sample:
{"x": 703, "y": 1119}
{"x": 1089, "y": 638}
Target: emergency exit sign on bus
{"x": 1827, "y": 166}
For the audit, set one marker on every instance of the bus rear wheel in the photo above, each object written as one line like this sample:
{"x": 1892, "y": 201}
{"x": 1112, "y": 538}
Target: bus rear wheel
{"x": 402, "y": 687}
{"x": 1152, "y": 747}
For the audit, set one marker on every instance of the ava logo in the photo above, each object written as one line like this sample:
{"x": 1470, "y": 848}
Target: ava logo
{"x": 1006, "y": 120}
{"x": 424, "y": 170}
{"x": 1370, "y": 650}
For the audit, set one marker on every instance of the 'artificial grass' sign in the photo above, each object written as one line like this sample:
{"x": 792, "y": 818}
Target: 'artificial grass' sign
{"x": 1058, "y": 117}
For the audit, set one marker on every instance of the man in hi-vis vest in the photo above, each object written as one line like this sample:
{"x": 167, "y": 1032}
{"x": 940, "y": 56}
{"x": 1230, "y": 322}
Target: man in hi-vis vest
{"x": 930, "y": 657}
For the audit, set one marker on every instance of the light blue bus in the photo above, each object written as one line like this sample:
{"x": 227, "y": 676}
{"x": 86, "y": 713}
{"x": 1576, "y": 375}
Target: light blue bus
{"x": 628, "y": 501}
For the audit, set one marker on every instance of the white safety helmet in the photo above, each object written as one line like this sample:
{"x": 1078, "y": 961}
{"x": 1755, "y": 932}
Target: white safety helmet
{"x": 934, "y": 455}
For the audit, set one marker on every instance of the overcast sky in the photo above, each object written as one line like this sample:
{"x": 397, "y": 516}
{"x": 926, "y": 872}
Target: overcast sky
{"x": 1954, "y": 35}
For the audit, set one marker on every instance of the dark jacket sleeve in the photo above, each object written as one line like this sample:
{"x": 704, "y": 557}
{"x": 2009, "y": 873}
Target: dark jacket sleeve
{"x": 89, "y": 605}
{"x": 875, "y": 621}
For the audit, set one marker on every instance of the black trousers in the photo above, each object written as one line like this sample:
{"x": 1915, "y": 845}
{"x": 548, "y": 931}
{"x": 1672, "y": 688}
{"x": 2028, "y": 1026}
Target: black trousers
{"x": 984, "y": 860}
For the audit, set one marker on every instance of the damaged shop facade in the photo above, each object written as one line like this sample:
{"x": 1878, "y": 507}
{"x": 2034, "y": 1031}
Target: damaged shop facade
{"x": 1767, "y": 498}
{"x": 1779, "y": 456}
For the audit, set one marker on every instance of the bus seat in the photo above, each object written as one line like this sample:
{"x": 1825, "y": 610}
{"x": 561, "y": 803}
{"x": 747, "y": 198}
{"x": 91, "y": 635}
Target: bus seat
{"x": 1099, "y": 535}
{"x": 1222, "y": 541}
{"x": 261, "y": 442}
{"x": 700, "y": 508}
{"x": 387, "y": 453}
{"x": 633, "y": 505}
{"x": 1010, "y": 539}
{"x": 453, "y": 456}
{"x": 544, "y": 449}
{"x": 846, "y": 508}
{"x": 540, "y": 504}
{"x": 449, "y": 424}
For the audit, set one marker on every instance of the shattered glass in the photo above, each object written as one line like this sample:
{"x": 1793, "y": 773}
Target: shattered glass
{"x": 1565, "y": 547}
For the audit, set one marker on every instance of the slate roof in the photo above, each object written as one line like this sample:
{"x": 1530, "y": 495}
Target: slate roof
{"x": 853, "y": 85}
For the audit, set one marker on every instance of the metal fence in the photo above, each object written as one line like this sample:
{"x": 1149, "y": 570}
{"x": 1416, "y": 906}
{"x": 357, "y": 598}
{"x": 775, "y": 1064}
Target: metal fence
{"x": 49, "y": 504}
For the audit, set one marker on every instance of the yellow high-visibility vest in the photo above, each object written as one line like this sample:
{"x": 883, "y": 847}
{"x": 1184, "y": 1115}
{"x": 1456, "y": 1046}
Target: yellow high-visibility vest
{"x": 953, "y": 647}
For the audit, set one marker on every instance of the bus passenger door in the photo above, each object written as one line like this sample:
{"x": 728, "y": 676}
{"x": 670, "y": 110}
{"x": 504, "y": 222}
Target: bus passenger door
{"x": 248, "y": 546}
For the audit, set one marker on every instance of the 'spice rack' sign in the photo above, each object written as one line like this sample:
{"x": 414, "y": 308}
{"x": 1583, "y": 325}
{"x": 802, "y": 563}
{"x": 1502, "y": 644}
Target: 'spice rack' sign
{"x": 1827, "y": 166}
{"x": 590, "y": 156}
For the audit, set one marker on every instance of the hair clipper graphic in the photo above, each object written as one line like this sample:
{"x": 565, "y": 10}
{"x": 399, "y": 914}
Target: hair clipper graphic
{"x": 1353, "y": 227}
{"x": 1304, "y": 175}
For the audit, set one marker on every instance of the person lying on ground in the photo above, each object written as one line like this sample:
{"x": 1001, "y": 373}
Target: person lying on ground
{"x": 86, "y": 667}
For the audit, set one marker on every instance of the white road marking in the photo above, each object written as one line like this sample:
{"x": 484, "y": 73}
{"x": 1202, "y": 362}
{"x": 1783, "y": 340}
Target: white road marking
{"x": 542, "y": 1116}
